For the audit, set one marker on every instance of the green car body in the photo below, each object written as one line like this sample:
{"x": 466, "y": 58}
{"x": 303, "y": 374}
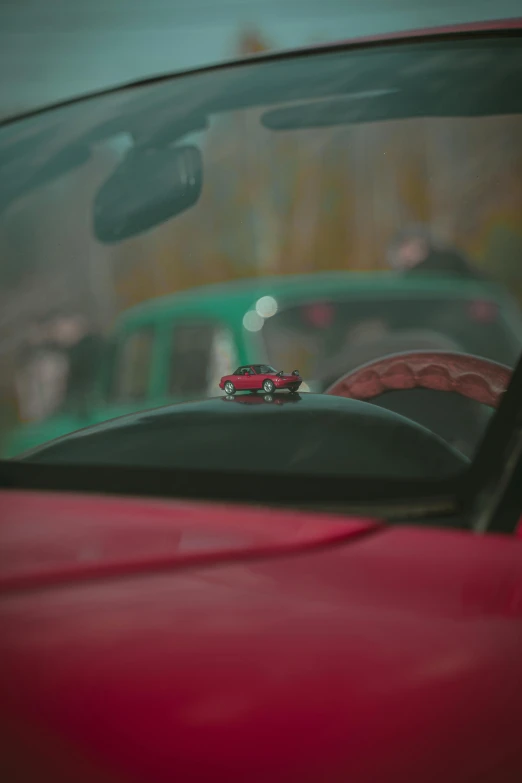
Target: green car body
{"x": 224, "y": 310}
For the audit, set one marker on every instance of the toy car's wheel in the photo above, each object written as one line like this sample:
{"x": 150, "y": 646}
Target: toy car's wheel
{"x": 293, "y": 387}
{"x": 230, "y": 388}
{"x": 268, "y": 386}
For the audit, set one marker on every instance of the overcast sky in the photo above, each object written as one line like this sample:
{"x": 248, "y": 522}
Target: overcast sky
{"x": 53, "y": 49}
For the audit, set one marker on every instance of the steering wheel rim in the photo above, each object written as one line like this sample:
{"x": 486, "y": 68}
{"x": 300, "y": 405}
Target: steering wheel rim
{"x": 478, "y": 379}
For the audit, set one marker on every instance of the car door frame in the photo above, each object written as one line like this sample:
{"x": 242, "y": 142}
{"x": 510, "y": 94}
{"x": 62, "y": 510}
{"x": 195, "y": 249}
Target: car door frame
{"x": 113, "y": 407}
{"x": 167, "y": 328}
{"x": 491, "y": 493}
{"x": 240, "y": 380}
{"x": 259, "y": 379}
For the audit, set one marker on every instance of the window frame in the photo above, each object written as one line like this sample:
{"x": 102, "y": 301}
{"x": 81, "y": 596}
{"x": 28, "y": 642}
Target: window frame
{"x": 114, "y": 397}
{"x": 215, "y": 326}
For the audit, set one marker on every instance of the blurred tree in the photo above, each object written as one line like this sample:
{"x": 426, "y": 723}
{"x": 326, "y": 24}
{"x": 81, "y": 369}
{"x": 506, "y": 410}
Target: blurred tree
{"x": 252, "y": 41}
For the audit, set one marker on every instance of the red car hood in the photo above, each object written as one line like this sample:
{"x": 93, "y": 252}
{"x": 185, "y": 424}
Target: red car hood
{"x": 51, "y": 538}
{"x": 160, "y": 641}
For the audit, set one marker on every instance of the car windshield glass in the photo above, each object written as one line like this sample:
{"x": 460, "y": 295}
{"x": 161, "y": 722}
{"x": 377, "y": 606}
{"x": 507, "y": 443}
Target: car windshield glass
{"x": 321, "y": 211}
{"x": 264, "y": 369}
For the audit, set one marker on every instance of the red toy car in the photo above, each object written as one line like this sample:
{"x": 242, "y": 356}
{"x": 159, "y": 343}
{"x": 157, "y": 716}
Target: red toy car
{"x": 257, "y": 377}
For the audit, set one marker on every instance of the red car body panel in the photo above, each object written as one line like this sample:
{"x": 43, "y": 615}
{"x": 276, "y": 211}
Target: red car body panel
{"x": 147, "y": 640}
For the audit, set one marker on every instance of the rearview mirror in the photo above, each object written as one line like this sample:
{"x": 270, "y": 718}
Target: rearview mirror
{"x": 148, "y": 188}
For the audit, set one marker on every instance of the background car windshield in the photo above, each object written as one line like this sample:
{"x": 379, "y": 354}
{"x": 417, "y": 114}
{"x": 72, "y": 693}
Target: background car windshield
{"x": 328, "y": 337}
{"x": 337, "y": 207}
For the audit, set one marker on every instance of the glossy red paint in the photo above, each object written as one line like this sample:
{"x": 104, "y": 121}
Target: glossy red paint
{"x": 479, "y": 379}
{"x": 52, "y": 538}
{"x": 252, "y": 377}
{"x": 310, "y": 648}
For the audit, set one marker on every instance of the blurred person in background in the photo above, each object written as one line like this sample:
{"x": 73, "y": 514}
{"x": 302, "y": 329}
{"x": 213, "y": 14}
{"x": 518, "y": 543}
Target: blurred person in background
{"x": 415, "y": 250}
{"x": 42, "y": 372}
{"x": 57, "y": 365}
{"x": 83, "y": 349}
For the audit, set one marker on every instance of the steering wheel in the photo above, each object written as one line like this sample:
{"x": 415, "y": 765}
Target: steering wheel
{"x": 478, "y": 379}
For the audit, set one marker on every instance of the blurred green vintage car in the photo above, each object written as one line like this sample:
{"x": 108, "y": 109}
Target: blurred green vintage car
{"x": 177, "y": 347}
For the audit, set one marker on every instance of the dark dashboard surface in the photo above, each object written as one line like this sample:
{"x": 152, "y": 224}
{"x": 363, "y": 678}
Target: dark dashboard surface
{"x": 307, "y": 434}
